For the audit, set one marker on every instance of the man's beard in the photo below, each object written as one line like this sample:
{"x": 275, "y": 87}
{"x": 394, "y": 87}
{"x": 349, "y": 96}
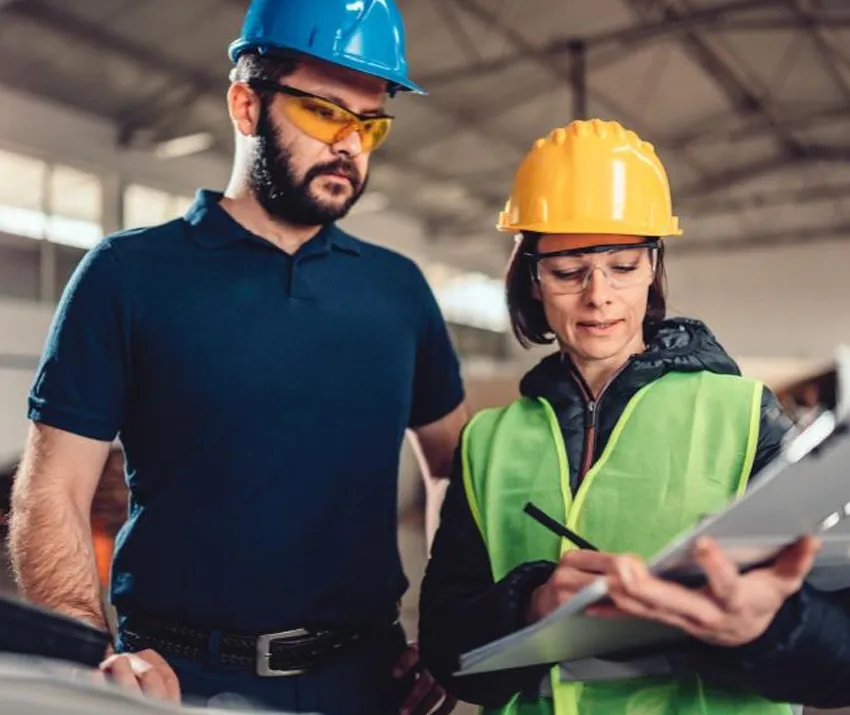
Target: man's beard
{"x": 287, "y": 198}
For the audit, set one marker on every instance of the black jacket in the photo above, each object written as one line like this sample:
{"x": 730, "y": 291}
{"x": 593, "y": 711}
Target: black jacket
{"x": 804, "y": 657}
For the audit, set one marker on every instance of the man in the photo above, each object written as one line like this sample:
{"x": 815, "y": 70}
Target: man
{"x": 261, "y": 367}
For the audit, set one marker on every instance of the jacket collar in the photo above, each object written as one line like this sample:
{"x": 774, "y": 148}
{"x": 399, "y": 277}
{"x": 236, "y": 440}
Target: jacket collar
{"x": 674, "y": 345}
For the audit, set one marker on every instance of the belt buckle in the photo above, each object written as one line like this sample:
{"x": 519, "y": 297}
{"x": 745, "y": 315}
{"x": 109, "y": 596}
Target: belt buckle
{"x": 264, "y": 654}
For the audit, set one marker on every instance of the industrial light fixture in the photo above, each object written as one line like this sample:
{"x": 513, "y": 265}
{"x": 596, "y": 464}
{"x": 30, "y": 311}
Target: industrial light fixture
{"x": 184, "y": 146}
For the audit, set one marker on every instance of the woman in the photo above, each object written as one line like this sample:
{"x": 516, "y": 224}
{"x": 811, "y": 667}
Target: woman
{"x": 628, "y": 434}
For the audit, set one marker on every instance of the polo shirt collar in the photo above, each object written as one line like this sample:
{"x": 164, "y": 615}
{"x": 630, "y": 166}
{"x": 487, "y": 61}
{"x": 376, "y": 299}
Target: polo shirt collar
{"x": 212, "y": 227}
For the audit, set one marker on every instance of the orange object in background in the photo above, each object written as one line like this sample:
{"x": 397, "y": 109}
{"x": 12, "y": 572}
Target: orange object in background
{"x": 109, "y": 510}
{"x": 104, "y": 545}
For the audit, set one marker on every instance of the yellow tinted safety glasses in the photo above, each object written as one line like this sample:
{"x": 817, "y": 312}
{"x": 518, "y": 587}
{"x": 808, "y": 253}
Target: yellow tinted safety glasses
{"x": 328, "y": 122}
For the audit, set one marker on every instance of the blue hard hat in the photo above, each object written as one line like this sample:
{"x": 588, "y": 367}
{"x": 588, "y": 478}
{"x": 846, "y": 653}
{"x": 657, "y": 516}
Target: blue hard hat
{"x": 363, "y": 35}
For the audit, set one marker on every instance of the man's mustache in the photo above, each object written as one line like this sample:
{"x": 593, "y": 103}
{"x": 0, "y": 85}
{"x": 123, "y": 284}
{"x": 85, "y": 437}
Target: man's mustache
{"x": 343, "y": 167}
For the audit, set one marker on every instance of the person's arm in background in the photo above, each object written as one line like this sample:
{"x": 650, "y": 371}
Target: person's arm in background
{"x": 434, "y": 444}
{"x": 438, "y": 412}
{"x": 461, "y": 607}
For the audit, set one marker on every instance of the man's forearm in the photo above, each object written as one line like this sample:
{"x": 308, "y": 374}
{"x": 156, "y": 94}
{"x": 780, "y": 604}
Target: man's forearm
{"x": 53, "y": 554}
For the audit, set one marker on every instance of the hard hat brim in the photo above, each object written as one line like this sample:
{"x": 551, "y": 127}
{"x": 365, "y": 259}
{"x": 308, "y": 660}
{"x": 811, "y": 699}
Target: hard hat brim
{"x": 594, "y": 226}
{"x": 394, "y": 82}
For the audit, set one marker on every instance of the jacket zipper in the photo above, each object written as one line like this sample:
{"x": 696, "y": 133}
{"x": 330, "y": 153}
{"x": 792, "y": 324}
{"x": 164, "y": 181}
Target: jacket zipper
{"x": 591, "y": 412}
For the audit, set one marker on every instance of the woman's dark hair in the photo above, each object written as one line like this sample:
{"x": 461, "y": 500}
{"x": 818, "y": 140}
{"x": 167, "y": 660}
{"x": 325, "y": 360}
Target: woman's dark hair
{"x": 528, "y": 320}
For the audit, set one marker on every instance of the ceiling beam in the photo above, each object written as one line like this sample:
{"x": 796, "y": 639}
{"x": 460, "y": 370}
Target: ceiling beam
{"x": 528, "y": 51}
{"x": 742, "y": 98}
{"x": 67, "y": 23}
{"x": 484, "y": 112}
{"x": 719, "y": 18}
{"x": 454, "y": 28}
{"x": 721, "y": 130}
{"x": 825, "y": 51}
{"x": 762, "y": 167}
{"x": 836, "y": 233}
{"x": 765, "y": 199}
{"x": 562, "y": 73}
{"x": 609, "y": 47}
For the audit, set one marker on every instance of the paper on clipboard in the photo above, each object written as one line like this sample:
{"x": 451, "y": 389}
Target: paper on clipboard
{"x": 794, "y": 495}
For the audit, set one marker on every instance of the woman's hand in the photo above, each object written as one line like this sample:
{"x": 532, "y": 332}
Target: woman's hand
{"x": 575, "y": 570}
{"x": 731, "y": 610}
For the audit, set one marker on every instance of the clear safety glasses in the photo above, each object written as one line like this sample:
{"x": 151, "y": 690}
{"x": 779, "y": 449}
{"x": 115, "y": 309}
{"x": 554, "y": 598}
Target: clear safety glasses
{"x": 328, "y": 122}
{"x": 624, "y": 266}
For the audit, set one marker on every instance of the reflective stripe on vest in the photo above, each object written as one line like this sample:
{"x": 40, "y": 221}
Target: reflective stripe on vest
{"x": 635, "y": 498}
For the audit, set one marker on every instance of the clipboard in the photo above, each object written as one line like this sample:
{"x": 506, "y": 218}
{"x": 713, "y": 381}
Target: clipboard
{"x": 29, "y": 630}
{"x": 752, "y": 535}
{"x": 805, "y": 490}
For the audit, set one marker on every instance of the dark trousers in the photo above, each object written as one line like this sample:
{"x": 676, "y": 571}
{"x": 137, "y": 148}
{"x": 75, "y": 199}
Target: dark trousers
{"x": 357, "y": 682}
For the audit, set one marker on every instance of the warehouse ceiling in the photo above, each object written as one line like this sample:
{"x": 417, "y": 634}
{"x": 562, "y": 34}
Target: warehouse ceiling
{"x": 747, "y": 101}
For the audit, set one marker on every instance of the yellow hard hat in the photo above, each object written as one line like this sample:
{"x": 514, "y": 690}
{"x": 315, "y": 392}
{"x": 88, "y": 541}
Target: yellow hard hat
{"x": 591, "y": 177}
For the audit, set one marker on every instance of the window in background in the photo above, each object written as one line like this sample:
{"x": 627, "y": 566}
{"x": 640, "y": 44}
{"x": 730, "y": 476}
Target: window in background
{"x": 468, "y": 298}
{"x": 75, "y": 204}
{"x": 22, "y": 184}
{"x": 144, "y": 206}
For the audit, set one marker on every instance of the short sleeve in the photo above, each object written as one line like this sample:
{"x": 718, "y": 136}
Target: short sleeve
{"x": 81, "y": 382}
{"x": 437, "y": 384}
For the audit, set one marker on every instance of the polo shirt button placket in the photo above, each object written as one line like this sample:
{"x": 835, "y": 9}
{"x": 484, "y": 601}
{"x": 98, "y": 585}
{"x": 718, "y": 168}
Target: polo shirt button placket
{"x": 299, "y": 285}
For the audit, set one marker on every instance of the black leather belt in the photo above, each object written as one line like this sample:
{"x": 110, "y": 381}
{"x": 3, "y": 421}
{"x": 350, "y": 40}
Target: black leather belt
{"x": 285, "y": 653}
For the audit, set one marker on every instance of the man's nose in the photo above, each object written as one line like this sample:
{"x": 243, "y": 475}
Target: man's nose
{"x": 350, "y": 145}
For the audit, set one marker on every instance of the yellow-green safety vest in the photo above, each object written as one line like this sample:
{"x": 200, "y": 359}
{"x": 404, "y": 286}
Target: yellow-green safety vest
{"x": 683, "y": 447}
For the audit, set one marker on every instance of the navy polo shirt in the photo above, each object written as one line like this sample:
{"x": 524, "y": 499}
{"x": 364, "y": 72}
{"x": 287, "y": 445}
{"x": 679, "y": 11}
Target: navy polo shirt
{"x": 262, "y": 400}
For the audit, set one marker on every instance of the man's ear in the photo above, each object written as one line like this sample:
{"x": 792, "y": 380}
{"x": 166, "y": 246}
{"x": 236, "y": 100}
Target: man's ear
{"x": 244, "y": 108}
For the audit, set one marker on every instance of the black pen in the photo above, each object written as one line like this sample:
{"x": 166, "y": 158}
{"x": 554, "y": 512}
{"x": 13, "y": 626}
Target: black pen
{"x": 557, "y": 528}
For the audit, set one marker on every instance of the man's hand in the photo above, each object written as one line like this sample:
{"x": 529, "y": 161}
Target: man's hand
{"x": 731, "y": 610}
{"x": 426, "y": 696}
{"x": 145, "y": 672}
{"x": 575, "y": 570}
